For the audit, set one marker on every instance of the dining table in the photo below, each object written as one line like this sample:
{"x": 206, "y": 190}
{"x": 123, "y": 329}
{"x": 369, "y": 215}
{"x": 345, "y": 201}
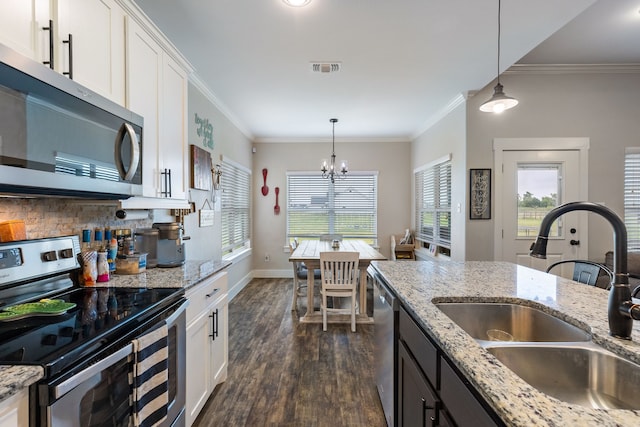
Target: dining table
{"x": 308, "y": 251}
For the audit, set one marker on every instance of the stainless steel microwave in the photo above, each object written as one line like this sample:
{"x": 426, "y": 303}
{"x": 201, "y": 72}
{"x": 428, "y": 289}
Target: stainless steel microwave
{"x": 58, "y": 138}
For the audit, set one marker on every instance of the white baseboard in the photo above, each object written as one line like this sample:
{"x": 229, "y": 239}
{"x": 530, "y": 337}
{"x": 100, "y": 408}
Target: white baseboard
{"x": 273, "y": 274}
{"x": 238, "y": 286}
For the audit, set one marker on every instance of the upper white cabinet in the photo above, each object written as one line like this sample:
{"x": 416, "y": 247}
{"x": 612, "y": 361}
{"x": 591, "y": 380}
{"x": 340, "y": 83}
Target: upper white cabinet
{"x": 96, "y": 28}
{"x": 85, "y": 39}
{"x": 157, "y": 90}
{"x": 22, "y": 26}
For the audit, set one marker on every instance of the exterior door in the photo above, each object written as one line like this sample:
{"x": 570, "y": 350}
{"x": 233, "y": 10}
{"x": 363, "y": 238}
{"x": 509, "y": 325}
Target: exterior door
{"x": 532, "y": 183}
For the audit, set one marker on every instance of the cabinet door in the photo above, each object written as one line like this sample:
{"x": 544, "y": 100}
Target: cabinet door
{"x": 144, "y": 64}
{"x": 173, "y": 126}
{"x": 219, "y": 343}
{"x": 198, "y": 366}
{"x": 417, "y": 403}
{"x": 21, "y": 27}
{"x": 97, "y": 27}
{"x": 14, "y": 411}
{"x": 462, "y": 406}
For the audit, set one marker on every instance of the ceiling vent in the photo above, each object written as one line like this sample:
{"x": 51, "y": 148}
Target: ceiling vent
{"x": 326, "y": 67}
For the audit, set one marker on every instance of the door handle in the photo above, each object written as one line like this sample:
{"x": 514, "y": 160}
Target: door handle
{"x": 50, "y": 29}
{"x": 573, "y": 242}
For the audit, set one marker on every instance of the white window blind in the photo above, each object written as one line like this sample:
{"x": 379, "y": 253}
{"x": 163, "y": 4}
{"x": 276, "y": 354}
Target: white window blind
{"x": 632, "y": 197}
{"x": 235, "y": 207}
{"x": 348, "y": 207}
{"x": 433, "y": 203}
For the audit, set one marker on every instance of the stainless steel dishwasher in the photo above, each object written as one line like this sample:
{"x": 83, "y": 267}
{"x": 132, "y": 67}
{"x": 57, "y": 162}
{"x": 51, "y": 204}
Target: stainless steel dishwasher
{"x": 385, "y": 316}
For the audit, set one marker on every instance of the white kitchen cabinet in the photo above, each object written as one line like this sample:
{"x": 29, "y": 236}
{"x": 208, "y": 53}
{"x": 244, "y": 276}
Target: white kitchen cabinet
{"x": 21, "y": 27}
{"x": 157, "y": 90}
{"x": 97, "y": 29}
{"x": 14, "y": 411}
{"x": 207, "y": 342}
{"x": 97, "y": 39}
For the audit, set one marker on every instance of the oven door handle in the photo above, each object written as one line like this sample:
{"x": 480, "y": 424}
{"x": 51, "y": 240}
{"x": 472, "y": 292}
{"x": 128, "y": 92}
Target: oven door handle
{"x": 68, "y": 385}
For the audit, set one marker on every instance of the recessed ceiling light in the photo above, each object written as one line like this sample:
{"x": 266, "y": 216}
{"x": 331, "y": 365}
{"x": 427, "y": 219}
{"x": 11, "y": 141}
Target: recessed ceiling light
{"x": 296, "y": 3}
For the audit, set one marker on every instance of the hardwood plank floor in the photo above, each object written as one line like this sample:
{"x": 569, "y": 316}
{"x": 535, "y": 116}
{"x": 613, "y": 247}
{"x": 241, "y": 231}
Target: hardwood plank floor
{"x": 284, "y": 373}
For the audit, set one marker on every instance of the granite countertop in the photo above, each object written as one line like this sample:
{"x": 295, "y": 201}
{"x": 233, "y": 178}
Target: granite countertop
{"x": 14, "y": 378}
{"x": 418, "y": 284}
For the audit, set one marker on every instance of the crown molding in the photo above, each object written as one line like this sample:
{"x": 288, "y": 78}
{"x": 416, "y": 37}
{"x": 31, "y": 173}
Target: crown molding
{"x": 573, "y": 69}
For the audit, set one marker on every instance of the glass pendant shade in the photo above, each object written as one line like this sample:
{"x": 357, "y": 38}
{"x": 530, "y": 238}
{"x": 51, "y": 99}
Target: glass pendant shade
{"x": 499, "y": 101}
{"x": 296, "y": 3}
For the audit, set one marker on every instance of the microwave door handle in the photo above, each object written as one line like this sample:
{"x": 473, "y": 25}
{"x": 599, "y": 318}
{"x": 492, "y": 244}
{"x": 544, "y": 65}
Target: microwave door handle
{"x": 68, "y": 385}
{"x": 127, "y": 129}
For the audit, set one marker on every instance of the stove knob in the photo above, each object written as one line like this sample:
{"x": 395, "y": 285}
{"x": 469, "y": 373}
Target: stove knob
{"x": 49, "y": 256}
{"x": 66, "y": 253}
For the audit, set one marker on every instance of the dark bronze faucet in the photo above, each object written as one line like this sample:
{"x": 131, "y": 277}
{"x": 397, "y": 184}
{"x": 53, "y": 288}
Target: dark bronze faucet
{"x": 621, "y": 309}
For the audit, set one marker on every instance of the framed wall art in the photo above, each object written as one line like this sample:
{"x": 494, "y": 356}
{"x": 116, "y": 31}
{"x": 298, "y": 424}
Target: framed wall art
{"x": 200, "y": 168}
{"x": 480, "y": 194}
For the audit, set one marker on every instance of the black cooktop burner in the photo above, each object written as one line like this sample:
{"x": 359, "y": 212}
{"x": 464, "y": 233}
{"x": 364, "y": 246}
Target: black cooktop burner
{"x": 101, "y": 315}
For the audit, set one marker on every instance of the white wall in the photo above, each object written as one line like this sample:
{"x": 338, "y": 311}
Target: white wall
{"x": 448, "y": 136}
{"x": 390, "y": 159}
{"x": 602, "y": 107}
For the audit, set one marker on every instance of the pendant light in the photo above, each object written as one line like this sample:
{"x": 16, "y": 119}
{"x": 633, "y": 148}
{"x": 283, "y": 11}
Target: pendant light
{"x": 328, "y": 169}
{"x": 499, "y": 101}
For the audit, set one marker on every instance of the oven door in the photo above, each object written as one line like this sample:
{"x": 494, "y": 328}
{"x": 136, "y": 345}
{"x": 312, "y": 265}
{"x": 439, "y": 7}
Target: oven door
{"x": 96, "y": 396}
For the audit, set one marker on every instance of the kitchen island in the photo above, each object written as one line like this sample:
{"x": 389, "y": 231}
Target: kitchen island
{"x": 418, "y": 285}
{"x": 16, "y": 378}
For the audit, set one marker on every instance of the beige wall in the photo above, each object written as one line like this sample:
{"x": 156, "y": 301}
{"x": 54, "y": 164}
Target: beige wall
{"x": 448, "y": 136}
{"x": 390, "y": 159}
{"x": 229, "y": 142}
{"x": 602, "y": 107}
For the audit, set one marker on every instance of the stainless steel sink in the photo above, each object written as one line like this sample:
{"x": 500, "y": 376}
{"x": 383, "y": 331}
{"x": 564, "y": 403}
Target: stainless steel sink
{"x": 581, "y": 375}
{"x": 511, "y": 322}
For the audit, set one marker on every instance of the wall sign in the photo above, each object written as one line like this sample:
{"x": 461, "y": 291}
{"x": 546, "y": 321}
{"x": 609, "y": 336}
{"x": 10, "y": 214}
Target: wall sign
{"x": 480, "y": 194}
{"x": 204, "y": 131}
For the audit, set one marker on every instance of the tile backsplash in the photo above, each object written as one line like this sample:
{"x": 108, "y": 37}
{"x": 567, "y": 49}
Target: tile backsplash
{"x": 53, "y": 217}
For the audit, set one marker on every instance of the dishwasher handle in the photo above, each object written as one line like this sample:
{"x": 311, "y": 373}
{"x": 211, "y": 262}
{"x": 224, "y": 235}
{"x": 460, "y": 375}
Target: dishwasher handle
{"x": 386, "y": 295}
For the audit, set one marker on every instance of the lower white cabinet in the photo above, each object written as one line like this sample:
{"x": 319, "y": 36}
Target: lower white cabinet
{"x": 14, "y": 411}
{"x": 207, "y": 341}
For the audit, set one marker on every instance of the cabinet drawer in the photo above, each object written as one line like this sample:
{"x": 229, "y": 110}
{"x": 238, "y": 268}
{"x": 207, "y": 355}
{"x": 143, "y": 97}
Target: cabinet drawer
{"x": 460, "y": 402}
{"x": 420, "y": 346}
{"x": 205, "y": 294}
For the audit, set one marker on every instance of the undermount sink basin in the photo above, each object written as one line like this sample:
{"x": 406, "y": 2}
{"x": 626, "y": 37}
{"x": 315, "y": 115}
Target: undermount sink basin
{"x": 583, "y": 376}
{"x": 511, "y": 322}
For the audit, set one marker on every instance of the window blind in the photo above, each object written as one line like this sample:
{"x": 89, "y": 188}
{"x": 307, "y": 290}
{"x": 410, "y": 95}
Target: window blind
{"x": 235, "y": 207}
{"x": 348, "y": 207}
{"x": 433, "y": 203}
{"x": 632, "y": 197}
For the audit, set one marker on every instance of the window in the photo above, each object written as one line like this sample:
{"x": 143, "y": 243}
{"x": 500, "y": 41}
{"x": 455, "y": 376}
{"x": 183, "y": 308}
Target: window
{"x": 433, "y": 203}
{"x": 348, "y": 207}
{"x": 235, "y": 207}
{"x": 632, "y": 197}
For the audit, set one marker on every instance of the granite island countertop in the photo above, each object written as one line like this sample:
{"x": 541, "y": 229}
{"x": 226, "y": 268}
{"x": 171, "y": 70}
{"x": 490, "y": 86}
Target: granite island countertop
{"x": 418, "y": 284}
{"x": 14, "y": 378}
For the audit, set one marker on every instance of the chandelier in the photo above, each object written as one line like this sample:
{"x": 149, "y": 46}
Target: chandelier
{"x": 329, "y": 169}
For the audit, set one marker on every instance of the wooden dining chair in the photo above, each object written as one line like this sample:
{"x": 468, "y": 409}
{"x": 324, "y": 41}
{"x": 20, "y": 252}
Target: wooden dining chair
{"x": 300, "y": 272}
{"x": 339, "y": 279}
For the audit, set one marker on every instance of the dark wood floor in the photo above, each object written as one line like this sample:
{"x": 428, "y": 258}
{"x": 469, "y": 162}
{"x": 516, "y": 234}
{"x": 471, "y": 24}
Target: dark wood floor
{"x": 283, "y": 373}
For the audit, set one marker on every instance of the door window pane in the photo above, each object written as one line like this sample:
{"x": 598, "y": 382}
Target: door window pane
{"x": 539, "y": 191}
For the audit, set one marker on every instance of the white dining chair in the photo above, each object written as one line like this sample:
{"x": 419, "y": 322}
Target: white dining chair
{"x": 339, "y": 279}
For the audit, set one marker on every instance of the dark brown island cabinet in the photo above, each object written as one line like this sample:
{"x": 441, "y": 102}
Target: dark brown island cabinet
{"x": 431, "y": 391}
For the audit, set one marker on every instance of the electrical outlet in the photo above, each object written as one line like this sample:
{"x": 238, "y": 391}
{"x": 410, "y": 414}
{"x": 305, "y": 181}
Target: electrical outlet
{"x": 267, "y": 258}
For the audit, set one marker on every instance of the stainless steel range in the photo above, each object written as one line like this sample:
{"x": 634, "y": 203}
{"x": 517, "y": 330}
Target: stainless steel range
{"x": 85, "y": 347}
